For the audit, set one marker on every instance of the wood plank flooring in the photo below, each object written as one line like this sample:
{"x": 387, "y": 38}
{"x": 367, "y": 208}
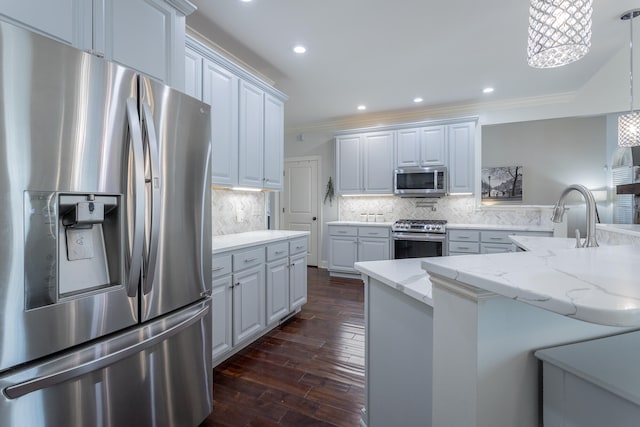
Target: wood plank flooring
{"x": 306, "y": 372}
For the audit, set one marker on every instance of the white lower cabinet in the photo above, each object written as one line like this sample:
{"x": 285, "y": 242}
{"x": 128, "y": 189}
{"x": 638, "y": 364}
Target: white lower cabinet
{"x": 221, "y": 309}
{"x": 248, "y": 303}
{"x": 221, "y": 305}
{"x": 483, "y": 241}
{"x": 297, "y": 273}
{"x": 253, "y": 290}
{"x": 277, "y": 282}
{"x": 349, "y": 244}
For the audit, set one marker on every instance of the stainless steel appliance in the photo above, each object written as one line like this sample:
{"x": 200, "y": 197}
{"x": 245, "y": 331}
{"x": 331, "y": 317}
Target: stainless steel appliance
{"x": 420, "y": 182}
{"x": 105, "y": 255}
{"x": 418, "y": 238}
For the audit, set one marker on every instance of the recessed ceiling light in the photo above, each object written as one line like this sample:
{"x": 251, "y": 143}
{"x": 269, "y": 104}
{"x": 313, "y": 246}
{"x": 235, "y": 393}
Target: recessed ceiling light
{"x": 299, "y": 49}
{"x": 362, "y": 107}
{"x": 487, "y": 90}
{"x": 417, "y": 100}
{"x": 245, "y": 1}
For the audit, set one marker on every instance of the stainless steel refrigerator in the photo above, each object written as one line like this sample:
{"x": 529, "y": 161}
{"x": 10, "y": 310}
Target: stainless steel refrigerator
{"x": 105, "y": 243}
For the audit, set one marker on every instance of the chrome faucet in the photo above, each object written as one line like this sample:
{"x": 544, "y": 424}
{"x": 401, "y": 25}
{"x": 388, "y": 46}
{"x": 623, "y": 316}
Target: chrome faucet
{"x": 559, "y": 210}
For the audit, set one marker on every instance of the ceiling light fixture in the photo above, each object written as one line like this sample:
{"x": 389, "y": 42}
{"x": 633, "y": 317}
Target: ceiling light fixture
{"x": 559, "y": 32}
{"x": 362, "y": 107}
{"x": 487, "y": 90}
{"x": 629, "y": 124}
{"x": 418, "y": 100}
{"x": 299, "y": 49}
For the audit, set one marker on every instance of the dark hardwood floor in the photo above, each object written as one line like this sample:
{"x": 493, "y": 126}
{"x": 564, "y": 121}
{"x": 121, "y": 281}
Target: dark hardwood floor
{"x": 307, "y": 372}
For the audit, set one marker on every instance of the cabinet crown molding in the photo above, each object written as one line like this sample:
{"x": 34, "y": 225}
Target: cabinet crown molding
{"x": 185, "y": 7}
{"x": 400, "y": 126}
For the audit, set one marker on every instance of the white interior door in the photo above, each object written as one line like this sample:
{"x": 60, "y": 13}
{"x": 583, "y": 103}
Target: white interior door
{"x": 300, "y": 202}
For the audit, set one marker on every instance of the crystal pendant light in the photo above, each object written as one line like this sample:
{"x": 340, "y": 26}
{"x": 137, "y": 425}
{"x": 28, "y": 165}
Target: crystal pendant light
{"x": 559, "y": 32}
{"x": 629, "y": 124}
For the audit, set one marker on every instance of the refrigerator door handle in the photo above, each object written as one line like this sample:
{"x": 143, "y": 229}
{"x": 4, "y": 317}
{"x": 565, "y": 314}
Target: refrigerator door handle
{"x": 65, "y": 373}
{"x": 136, "y": 230}
{"x": 154, "y": 180}
{"x": 206, "y": 284}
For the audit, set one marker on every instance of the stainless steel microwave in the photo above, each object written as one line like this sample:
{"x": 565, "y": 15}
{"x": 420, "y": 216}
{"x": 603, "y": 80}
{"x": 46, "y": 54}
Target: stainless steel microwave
{"x": 420, "y": 182}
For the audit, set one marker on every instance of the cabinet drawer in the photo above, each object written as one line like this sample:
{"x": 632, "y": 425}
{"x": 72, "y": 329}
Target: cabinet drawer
{"x": 373, "y": 231}
{"x": 465, "y": 247}
{"x": 297, "y": 246}
{"x": 496, "y": 236}
{"x": 343, "y": 230}
{"x": 221, "y": 265}
{"x": 248, "y": 258}
{"x": 277, "y": 250}
{"x": 464, "y": 235}
{"x": 496, "y": 248}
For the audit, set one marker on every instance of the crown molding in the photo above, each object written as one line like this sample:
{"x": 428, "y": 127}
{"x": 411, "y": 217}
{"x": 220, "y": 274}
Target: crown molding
{"x": 448, "y": 113}
{"x": 185, "y": 7}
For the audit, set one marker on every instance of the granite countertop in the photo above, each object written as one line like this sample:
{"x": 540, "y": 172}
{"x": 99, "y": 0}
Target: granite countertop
{"x": 405, "y": 275}
{"x": 598, "y": 285}
{"x": 234, "y": 241}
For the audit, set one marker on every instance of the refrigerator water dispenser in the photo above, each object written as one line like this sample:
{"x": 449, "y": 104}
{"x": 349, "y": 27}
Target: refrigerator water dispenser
{"x": 73, "y": 245}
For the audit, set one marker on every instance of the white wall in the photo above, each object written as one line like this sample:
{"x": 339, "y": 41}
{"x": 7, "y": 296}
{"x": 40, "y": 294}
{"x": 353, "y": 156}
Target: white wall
{"x": 554, "y": 153}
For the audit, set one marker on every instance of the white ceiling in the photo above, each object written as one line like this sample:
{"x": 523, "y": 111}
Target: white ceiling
{"x": 383, "y": 53}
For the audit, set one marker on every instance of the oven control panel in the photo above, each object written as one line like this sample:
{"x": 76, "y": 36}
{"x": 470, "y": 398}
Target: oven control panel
{"x": 419, "y": 226}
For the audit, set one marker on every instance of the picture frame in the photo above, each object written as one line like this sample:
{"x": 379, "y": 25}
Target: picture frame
{"x": 502, "y": 184}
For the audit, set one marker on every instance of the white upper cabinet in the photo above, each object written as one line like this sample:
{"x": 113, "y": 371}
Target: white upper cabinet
{"x": 348, "y": 164}
{"x": 377, "y": 149}
{"x": 68, "y": 21}
{"x": 461, "y": 165}
{"x": 146, "y": 35}
{"x": 364, "y": 163}
{"x": 421, "y": 147}
{"x": 193, "y": 73}
{"x": 273, "y": 143}
{"x": 432, "y": 146}
{"x": 220, "y": 90}
{"x": 251, "y": 136}
{"x": 247, "y": 120}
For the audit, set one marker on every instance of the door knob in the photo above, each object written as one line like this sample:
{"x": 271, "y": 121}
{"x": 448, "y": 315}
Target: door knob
{"x": 314, "y": 218}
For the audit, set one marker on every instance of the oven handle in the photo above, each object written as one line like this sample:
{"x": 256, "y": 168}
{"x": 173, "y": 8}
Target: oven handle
{"x": 420, "y": 237}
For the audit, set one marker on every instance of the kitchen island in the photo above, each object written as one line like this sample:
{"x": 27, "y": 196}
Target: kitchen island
{"x": 493, "y": 311}
{"x": 398, "y": 343}
{"x": 490, "y": 312}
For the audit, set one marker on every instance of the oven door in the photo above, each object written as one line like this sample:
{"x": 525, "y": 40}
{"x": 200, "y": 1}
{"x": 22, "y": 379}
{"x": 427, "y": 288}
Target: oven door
{"x": 418, "y": 245}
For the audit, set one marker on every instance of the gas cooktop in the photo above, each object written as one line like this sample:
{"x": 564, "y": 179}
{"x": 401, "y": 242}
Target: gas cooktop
{"x": 420, "y": 225}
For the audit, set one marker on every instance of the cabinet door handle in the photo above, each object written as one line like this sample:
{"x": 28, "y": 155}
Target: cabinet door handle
{"x": 236, "y": 284}
{"x": 342, "y": 232}
{"x": 250, "y": 259}
{"x": 463, "y": 247}
{"x": 496, "y": 238}
{"x": 279, "y": 252}
{"x": 299, "y": 247}
{"x": 218, "y": 268}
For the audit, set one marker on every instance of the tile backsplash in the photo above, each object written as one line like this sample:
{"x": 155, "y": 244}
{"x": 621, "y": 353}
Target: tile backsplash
{"x": 238, "y": 211}
{"x": 454, "y": 209}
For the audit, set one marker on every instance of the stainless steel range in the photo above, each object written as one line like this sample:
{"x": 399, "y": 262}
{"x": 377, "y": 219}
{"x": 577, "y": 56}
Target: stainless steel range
{"x": 418, "y": 238}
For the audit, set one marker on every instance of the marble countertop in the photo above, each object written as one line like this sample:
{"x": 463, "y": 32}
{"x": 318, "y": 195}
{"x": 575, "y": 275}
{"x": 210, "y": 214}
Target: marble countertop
{"x": 234, "y": 241}
{"x": 405, "y": 275}
{"x": 598, "y": 285}
{"x": 499, "y": 227}
{"x": 628, "y": 229}
{"x": 362, "y": 223}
